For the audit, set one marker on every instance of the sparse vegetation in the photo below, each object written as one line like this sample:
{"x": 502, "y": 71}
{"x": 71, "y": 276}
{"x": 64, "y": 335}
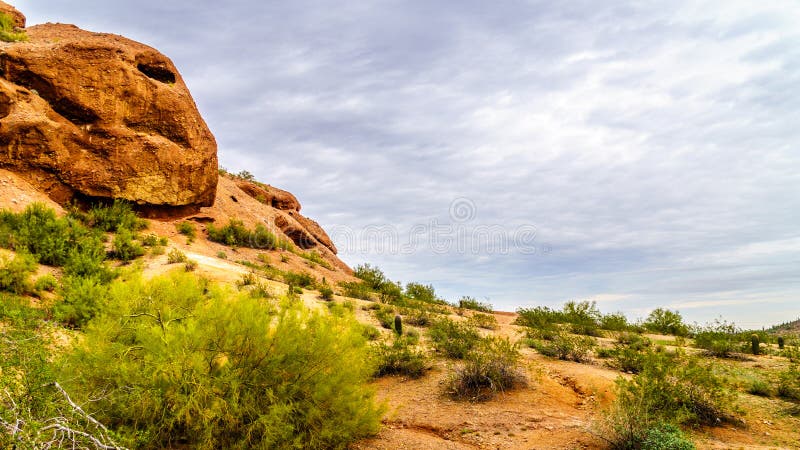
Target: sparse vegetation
{"x": 485, "y": 321}
{"x": 491, "y": 367}
{"x": 236, "y": 234}
{"x": 401, "y": 358}
{"x": 453, "y": 339}
{"x": 565, "y": 346}
{"x": 665, "y": 321}
{"x": 8, "y": 32}
{"x": 471, "y": 303}
{"x": 187, "y": 229}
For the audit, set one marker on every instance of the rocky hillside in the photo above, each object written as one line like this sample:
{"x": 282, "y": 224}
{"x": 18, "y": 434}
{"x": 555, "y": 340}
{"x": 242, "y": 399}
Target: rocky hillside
{"x": 90, "y": 117}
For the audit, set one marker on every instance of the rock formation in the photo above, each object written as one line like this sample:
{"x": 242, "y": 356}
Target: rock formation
{"x": 100, "y": 116}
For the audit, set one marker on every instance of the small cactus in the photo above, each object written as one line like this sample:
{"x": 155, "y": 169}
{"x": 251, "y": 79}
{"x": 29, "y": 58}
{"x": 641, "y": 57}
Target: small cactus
{"x": 754, "y": 343}
{"x": 398, "y": 325}
{"x": 780, "y": 342}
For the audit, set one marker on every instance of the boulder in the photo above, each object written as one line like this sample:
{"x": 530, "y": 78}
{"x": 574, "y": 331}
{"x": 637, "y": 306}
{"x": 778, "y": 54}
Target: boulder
{"x": 96, "y": 115}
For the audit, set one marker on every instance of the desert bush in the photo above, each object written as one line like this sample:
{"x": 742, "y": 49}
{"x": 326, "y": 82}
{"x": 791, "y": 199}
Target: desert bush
{"x": 718, "y": 339}
{"x": 492, "y": 366}
{"x": 789, "y": 383}
{"x": 566, "y": 347}
{"x": 187, "y": 229}
{"x": 150, "y": 240}
{"x": 248, "y": 279}
{"x": 385, "y": 316}
{"x": 665, "y": 436}
{"x": 183, "y": 363}
{"x": 760, "y": 387}
{"x": 326, "y": 292}
{"x": 358, "y": 290}
{"x": 124, "y": 247}
{"x": 401, "y": 358}
{"x": 316, "y": 258}
{"x": 15, "y": 273}
{"x": 539, "y": 320}
{"x": 485, "y": 321}
{"x": 665, "y": 321}
{"x": 473, "y": 304}
{"x": 8, "y": 32}
{"x": 45, "y": 283}
{"x": 614, "y": 322}
{"x": 81, "y": 299}
{"x": 422, "y": 293}
{"x": 299, "y": 279}
{"x": 236, "y": 234}
{"x": 453, "y": 339}
{"x": 176, "y": 256}
{"x": 670, "y": 389}
{"x": 114, "y": 217}
{"x": 583, "y": 317}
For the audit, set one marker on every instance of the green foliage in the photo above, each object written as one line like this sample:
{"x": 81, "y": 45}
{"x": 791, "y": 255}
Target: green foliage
{"x": 718, "y": 339}
{"x": 15, "y": 273}
{"x": 665, "y": 436}
{"x": 492, "y": 366}
{"x": 113, "y": 217}
{"x": 541, "y": 321}
{"x": 182, "y": 363}
{"x": 453, "y": 339}
{"x": 401, "y": 358}
{"x": 236, "y": 234}
{"x": 583, "y": 316}
{"x": 614, "y": 322}
{"x": 176, "y": 256}
{"x": 326, "y": 292}
{"x": 566, "y": 347}
{"x": 669, "y": 389}
{"x": 124, "y": 247}
{"x": 789, "y": 383}
{"x": 759, "y": 387}
{"x": 299, "y": 279}
{"x": 7, "y": 30}
{"x": 471, "y": 303}
{"x": 665, "y": 321}
{"x": 187, "y": 229}
{"x": 485, "y": 321}
{"x": 316, "y": 258}
{"x": 385, "y": 316}
{"x": 46, "y": 283}
{"x": 423, "y": 293}
{"x": 81, "y": 300}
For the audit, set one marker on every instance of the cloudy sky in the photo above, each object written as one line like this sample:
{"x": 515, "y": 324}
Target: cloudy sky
{"x": 640, "y": 154}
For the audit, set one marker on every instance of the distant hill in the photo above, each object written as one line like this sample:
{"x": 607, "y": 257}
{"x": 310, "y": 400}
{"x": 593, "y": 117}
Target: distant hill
{"x": 788, "y": 327}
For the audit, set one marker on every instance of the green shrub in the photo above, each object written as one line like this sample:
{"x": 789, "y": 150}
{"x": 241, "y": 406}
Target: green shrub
{"x": 718, "y": 339}
{"x": 326, "y": 292}
{"x": 471, "y": 303}
{"x": 665, "y": 321}
{"x": 15, "y": 273}
{"x": 665, "y": 436}
{"x": 182, "y": 363}
{"x": 187, "y": 229}
{"x": 789, "y": 383}
{"x": 385, "y": 316}
{"x": 759, "y": 387}
{"x": 541, "y": 321}
{"x": 453, "y": 339}
{"x": 81, "y": 299}
{"x": 669, "y": 389}
{"x": 316, "y": 258}
{"x": 124, "y": 247}
{"x": 46, "y": 283}
{"x": 566, "y": 347}
{"x": 7, "y": 30}
{"x": 114, "y": 217}
{"x": 236, "y": 234}
{"x": 423, "y": 293}
{"x": 491, "y": 367}
{"x": 485, "y": 321}
{"x": 614, "y": 322}
{"x": 176, "y": 256}
{"x": 299, "y": 279}
{"x": 222, "y": 255}
{"x": 401, "y": 358}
